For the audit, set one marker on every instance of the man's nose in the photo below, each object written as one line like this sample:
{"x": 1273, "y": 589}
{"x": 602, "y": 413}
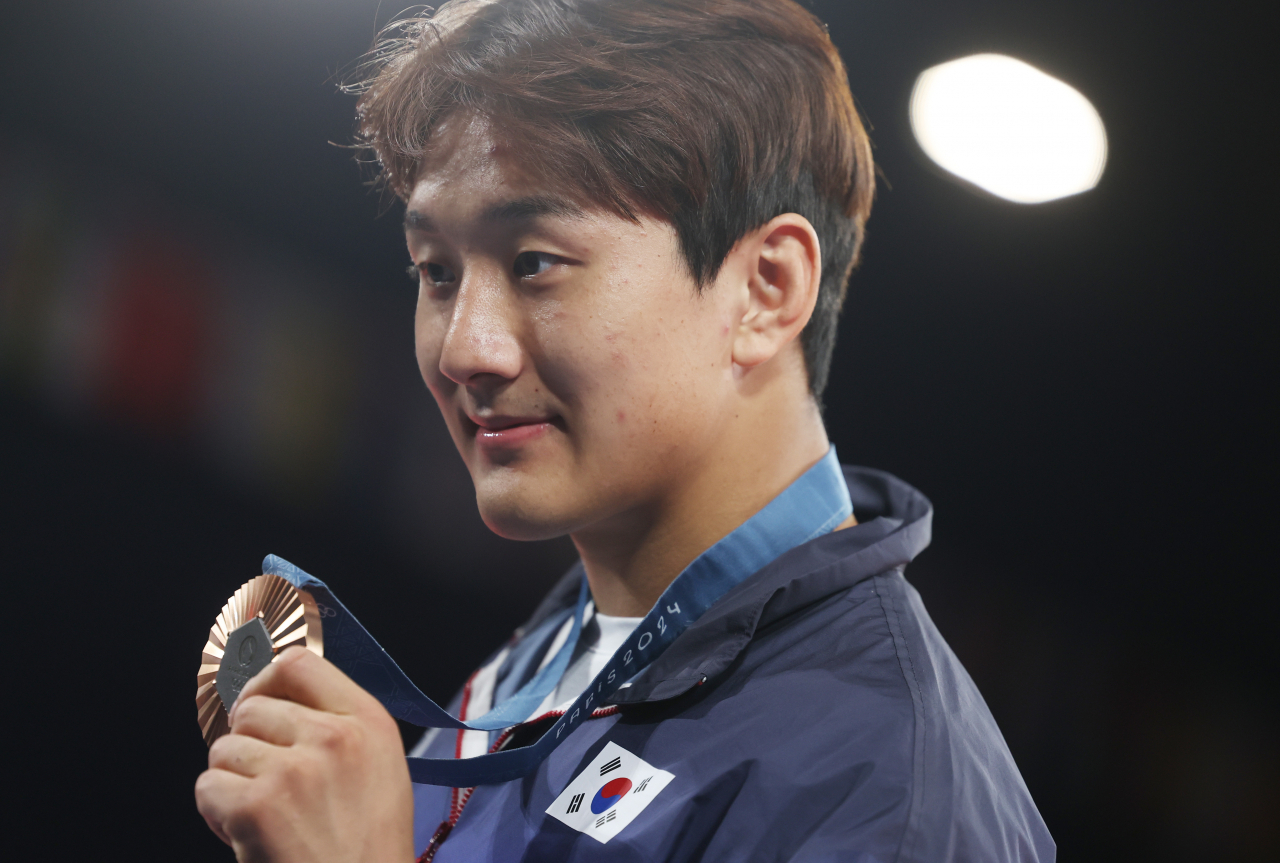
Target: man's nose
{"x": 481, "y": 340}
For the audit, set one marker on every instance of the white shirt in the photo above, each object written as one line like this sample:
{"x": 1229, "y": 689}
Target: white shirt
{"x": 602, "y": 635}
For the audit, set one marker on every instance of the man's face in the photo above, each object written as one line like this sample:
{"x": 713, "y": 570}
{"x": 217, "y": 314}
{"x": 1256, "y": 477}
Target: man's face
{"x": 581, "y": 373}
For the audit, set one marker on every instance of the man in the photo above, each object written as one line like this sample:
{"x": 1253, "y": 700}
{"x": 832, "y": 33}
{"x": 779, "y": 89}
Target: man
{"x": 632, "y": 224}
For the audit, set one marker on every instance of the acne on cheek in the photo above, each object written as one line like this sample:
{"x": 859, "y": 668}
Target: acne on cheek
{"x": 618, "y": 356}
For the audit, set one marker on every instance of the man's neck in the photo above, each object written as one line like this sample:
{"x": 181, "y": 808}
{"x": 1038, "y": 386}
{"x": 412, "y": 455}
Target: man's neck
{"x": 632, "y": 558}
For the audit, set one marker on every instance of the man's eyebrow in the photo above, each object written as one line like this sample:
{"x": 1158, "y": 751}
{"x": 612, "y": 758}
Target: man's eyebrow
{"x": 516, "y": 210}
{"x": 416, "y": 221}
{"x": 524, "y": 209}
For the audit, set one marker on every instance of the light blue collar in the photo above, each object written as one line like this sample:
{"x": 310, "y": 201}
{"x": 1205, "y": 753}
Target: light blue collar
{"x": 811, "y": 506}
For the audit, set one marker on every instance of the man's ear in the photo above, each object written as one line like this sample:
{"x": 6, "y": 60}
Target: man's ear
{"x": 783, "y": 264}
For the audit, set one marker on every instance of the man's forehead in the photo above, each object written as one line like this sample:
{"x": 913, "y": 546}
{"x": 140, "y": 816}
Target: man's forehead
{"x": 469, "y": 171}
{"x": 461, "y": 149}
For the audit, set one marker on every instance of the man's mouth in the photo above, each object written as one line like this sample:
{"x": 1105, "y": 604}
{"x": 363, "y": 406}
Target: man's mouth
{"x": 500, "y": 431}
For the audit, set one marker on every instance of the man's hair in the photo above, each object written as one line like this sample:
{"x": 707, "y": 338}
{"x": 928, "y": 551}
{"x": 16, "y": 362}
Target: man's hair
{"x": 713, "y": 115}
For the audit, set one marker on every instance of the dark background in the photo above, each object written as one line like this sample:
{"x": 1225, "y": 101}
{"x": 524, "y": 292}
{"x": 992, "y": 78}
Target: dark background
{"x": 206, "y": 356}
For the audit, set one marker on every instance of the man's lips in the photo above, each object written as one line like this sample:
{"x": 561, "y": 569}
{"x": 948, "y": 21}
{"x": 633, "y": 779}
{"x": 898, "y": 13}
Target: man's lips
{"x": 501, "y": 422}
{"x": 504, "y": 432}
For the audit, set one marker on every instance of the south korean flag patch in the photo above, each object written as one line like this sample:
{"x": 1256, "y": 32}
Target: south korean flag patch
{"x": 609, "y": 793}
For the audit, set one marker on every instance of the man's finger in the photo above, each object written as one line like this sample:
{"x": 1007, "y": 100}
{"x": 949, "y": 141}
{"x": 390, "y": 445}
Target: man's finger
{"x": 244, "y": 756}
{"x": 299, "y": 675}
{"x": 273, "y": 720}
{"x": 217, "y": 792}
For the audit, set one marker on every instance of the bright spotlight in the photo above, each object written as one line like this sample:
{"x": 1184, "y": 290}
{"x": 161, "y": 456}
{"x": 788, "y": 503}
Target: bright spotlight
{"x": 1009, "y": 128}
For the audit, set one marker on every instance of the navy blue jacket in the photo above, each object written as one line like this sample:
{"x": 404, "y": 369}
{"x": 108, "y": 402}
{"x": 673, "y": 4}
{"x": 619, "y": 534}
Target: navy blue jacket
{"x": 814, "y": 713}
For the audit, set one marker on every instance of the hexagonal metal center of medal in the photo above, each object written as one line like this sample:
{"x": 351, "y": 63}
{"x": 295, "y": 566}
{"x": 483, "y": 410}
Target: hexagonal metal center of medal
{"x": 248, "y": 651}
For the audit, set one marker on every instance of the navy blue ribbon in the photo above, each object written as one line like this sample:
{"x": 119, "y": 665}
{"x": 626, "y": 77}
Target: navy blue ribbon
{"x": 811, "y": 506}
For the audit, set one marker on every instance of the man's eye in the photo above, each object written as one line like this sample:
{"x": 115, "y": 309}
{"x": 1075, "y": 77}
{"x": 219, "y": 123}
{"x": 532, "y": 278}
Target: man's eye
{"x": 532, "y": 264}
{"x": 436, "y": 274}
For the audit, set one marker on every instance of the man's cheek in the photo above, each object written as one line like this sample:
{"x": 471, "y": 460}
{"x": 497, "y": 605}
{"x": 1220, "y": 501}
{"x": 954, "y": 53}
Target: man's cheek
{"x": 567, "y": 369}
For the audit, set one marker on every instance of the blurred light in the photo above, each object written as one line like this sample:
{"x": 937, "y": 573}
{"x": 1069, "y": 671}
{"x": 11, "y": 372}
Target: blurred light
{"x": 1008, "y": 128}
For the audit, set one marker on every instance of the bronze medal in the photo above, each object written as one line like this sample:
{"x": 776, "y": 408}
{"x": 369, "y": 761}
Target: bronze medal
{"x": 262, "y": 618}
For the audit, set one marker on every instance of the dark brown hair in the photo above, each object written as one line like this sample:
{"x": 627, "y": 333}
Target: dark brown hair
{"x": 714, "y": 115}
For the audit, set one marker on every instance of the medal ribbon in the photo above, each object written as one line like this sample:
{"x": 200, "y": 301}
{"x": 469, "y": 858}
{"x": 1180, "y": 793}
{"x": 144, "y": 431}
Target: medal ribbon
{"x": 811, "y": 506}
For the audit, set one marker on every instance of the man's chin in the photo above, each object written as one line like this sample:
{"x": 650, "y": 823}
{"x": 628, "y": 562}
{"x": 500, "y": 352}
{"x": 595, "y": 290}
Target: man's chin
{"x": 511, "y": 526}
{"x": 513, "y": 518}
{"x": 534, "y": 500}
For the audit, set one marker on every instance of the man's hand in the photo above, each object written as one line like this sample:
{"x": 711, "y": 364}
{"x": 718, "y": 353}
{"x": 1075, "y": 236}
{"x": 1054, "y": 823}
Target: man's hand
{"x": 313, "y": 770}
